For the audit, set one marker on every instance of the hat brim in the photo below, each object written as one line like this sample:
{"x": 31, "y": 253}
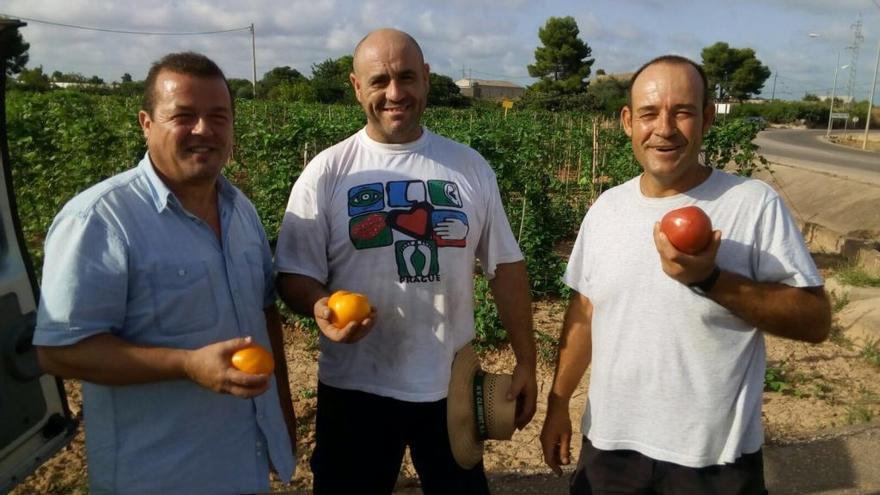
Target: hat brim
{"x": 466, "y": 449}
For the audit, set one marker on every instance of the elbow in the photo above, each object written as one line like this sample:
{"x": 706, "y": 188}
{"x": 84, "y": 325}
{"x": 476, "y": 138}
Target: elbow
{"x": 817, "y": 323}
{"x": 819, "y": 328}
{"x": 46, "y": 358}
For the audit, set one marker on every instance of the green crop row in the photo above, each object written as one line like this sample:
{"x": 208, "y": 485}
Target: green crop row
{"x": 549, "y": 166}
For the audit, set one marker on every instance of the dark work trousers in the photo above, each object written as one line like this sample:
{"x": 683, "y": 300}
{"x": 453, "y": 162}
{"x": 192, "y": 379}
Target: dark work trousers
{"x": 360, "y": 440}
{"x": 620, "y": 472}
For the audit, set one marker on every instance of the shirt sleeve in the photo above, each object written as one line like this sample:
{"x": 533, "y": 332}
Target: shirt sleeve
{"x": 85, "y": 281}
{"x": 576, "y": 271}
{"x": 497, "y": 244}
{"x": 304, "y": 234}
{"x": 783, "y": 256}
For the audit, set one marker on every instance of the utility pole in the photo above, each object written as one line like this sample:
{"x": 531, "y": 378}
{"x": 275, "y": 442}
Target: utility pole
{"x": 853, "y": 63}
{"x": 254, "y": 59}
{"x": 871, "y": 100}
{"x": 837, "y": 67}
{"x": 773, "y": 93}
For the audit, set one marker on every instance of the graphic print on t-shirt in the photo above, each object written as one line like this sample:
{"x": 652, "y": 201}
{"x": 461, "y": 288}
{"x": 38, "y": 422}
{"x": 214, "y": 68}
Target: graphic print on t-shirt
{"x": 421, "y": 216}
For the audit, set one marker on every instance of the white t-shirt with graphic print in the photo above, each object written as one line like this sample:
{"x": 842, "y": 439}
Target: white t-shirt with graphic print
{"x": 402, "y": 224}
{"x": 674, "y": 375}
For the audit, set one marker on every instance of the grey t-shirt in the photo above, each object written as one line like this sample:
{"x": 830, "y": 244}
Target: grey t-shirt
{"x": 674, "y": 375}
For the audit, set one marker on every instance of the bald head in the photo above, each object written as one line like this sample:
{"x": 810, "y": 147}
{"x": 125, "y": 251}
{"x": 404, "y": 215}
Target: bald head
{"x": 391, "y": 82}
{"x": 383, "y": 41}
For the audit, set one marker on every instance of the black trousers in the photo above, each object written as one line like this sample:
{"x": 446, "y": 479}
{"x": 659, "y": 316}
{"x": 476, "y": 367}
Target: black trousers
{"x": 360, "y": 440}
{"x": 628, "y": 472}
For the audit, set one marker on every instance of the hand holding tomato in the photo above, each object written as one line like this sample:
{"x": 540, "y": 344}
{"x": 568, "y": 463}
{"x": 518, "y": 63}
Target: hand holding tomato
{"x": 688, "y": 229}
{"x": 681, "y": 266}
{"x": 345, "y": 316}
{"x": 255, "y": 360}
{"x": 211, "y": 367}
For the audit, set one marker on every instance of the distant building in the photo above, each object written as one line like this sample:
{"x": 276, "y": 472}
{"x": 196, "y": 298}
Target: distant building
{"x": 76, "y": 85}
{"x": 485, "y": 89}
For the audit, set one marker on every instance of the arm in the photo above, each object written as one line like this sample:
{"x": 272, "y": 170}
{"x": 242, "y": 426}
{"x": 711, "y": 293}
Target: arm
{"x": 575, "y": 354}
{"x": 510, "y": 289}
{"x": 790, "y": 312}
{"x": 108, "y": 360}
{"x": 276, "y": 338}
{"x": 308, "y": 297}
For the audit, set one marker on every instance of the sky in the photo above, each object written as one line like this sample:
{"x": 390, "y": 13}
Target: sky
{"x": 798, "y": 40}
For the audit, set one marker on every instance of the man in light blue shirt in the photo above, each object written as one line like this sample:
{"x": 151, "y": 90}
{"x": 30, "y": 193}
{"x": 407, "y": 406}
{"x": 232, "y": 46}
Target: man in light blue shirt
{"x": 152, "y": 280}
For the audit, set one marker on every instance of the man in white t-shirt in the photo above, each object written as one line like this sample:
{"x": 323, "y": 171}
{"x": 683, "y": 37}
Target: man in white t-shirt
{"x": 401, "y": 215}
{"x": 676, "y": 341}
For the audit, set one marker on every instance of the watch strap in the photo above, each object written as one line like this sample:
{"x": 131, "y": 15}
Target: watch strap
{"x": 704, "y": 286}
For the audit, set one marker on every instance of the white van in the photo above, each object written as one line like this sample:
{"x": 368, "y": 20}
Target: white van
{"x": 34, "y": 419}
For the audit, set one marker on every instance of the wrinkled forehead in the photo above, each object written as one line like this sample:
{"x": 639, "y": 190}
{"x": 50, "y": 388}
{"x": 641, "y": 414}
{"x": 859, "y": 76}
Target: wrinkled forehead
{"x": 388, "y": 49}
{"x": 664, "y": 82}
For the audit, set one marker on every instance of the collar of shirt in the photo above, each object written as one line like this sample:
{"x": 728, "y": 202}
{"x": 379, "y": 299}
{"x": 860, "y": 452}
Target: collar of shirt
{"x": 160, "y": 192}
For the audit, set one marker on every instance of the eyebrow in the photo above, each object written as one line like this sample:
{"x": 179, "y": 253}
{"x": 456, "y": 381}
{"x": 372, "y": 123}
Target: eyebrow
{"x": 385, "y": 75}
{"x": 191, "y": 108}
{"x": 682, "y": 106}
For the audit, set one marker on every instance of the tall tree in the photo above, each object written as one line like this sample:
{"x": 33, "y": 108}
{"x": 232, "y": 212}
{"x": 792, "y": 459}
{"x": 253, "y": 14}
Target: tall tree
{"x": 33, "y": 79}
{"x": 563, "y": 63}
{"x": 444, "y": 92}
{"x": 275, "y": 77}
{"x": 14, "y": 49}
{"x": 330, "y": 80}
{"x": 733, "y": 72}
{"x": 241, "y": 88}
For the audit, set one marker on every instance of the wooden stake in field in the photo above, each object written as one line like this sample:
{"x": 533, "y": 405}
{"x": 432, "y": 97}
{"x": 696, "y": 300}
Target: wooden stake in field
{"x": 522, "y": 217}
{"x": 595, "y": 160}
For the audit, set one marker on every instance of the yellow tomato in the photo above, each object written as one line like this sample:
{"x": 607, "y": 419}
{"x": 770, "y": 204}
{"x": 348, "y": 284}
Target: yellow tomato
{"x": 255, "y": 360}
{"x": 346, "y": 307}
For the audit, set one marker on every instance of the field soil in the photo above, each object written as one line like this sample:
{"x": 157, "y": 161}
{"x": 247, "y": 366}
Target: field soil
{"x": 815, "y": 388}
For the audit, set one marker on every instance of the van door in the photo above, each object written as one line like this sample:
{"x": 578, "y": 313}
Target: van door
{"x": 34, "y": 419}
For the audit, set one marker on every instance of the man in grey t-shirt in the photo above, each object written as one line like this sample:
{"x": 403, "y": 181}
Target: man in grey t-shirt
{"x": 676, "y": 340}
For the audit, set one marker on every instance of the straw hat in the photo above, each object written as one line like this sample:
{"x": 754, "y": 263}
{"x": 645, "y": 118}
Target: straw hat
{"x": 477, "y": 408}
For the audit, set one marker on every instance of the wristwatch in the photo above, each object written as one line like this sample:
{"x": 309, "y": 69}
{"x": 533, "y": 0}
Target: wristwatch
{"x": 704, "y": 286}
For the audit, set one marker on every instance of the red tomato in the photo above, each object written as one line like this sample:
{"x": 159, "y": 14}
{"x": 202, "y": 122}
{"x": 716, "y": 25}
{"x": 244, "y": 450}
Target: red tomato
{"x": 688, "y": 229}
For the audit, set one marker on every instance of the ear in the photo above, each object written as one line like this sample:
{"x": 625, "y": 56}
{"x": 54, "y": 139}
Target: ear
{"x": 708, "y": 117}
{"x": 146, "y": 122}
{"x": 355, "y": 84}
{"x": 428, "y": 76}
{"x": 626, "y": 120}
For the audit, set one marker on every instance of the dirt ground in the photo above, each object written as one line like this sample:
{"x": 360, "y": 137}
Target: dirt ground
{"x": 855, "y": 139}
{"x": 816, "y": 387}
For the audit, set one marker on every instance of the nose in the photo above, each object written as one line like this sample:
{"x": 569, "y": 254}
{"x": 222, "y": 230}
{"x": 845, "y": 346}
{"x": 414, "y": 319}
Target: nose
{"x": 394, "y": 91}
{"x": 665, "y": 126}
{"x": 202, "y": 127}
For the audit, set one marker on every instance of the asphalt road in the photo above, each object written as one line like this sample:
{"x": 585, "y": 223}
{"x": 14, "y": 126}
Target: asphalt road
{"x": 808, "y": 149}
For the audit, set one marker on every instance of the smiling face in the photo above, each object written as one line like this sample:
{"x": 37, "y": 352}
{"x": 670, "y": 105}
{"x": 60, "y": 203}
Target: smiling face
{"x": 189, "y": 134}
{"x": 666, "y": 123}
{"x": 390, "y": 80}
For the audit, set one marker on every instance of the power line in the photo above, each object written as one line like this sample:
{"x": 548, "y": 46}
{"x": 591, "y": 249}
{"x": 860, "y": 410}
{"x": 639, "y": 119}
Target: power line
{"x": 122, "y": 31}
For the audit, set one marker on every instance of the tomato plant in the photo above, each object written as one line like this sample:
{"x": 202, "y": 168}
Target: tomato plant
{"x": 688, "y": 229}
{"x": 255, "y": 360}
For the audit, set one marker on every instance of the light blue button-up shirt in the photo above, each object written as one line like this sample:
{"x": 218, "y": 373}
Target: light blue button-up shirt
{"x": 125, "y": 257}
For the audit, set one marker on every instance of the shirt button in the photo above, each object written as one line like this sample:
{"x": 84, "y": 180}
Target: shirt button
{"x": 259, "y": 444}
{"x": 181, "y": 272}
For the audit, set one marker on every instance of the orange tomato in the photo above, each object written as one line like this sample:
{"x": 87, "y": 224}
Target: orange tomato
{"x": 346, "y": 307}
{"x": 255, "y": 360}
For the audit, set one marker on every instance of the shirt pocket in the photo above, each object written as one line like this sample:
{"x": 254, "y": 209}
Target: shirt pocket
{"x": 184, "y": 298}
{"x": 251, "y": 273}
